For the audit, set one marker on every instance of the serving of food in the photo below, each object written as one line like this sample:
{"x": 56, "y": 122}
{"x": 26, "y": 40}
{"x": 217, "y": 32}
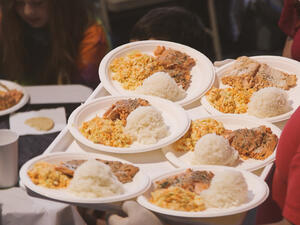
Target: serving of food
{"x": 158, "y": 68}
{"x": 204, "y": 192}
{"x": 12, "y": 97}
{"x": 135, "y": 67}
{"x": 75, "y": 177}
{"x": 128, "y": 124}
{"x": 261, "y": 86}
{"x": 235, "y": 141}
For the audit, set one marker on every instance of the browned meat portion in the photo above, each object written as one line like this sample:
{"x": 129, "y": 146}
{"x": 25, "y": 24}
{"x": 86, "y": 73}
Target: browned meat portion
{"x": 242, "y": 73}
{"x": 177, "y": 64}
{"x": 276, "y": 78}
{"x": 9, "y": 98}
{"x": 195, "y": 181}
{"x": 69, "y": 167}
{"x": 124, "y": 172}
{"x": 121, "y": 109}
{"x": 257, "y": 143}
{"x": 247, "y": 73}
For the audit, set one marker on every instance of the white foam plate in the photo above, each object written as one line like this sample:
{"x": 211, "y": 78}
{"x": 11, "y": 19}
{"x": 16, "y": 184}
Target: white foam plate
{"x": 281, "y": 63}
{"x": 140, "y": 183}
{"x": 21, "y": 103}
{"x": 257, "y": 193}
{"x": 231, "y": 122}
{"x": 203, "y": 73}
{"x": 173, "y": 114}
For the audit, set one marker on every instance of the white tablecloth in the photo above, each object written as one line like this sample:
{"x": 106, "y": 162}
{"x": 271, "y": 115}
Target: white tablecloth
{"x": 18, "y": 208}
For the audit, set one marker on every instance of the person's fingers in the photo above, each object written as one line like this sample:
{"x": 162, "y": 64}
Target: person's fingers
{"x": 117, "y": 220}
{"x": 131, "y": 207}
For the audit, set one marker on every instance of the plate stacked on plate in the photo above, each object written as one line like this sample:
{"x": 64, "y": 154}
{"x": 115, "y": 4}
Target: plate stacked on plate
{"x": 138, "y": 58}
{"x": 16, "y": 97}
{"x": 276, "y": 62}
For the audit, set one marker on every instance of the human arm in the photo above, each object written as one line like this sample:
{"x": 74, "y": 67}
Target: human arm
{"x": 137, "y": 215}
{"x": 287, "y": 49}
{"x": 288, "y": 23}
{"x": 291, "y": 206}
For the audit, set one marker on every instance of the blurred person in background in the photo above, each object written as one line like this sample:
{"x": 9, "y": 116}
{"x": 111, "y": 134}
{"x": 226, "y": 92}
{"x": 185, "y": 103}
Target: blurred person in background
{"x": 174, "y": 24}
{"x": 289, "y": 23}
{"x": 283, "y": 205}
{"x": 51, "y": 42}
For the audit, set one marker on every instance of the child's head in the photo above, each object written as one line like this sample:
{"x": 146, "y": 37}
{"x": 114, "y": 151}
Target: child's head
{"x": 171, "y": 24}
{"x": 33, "y": 12}
{"x": 63, "y": 23}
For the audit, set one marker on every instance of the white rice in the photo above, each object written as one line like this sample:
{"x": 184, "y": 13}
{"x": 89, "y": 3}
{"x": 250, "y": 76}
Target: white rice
{"x": 268, "y": 102}
{"x": 161, "y": 84}
{"x": 94, "y": 179}
{"x": 146, "y": 125}
{"x": 212, "y": 149}
{"x": 227, "y": 189}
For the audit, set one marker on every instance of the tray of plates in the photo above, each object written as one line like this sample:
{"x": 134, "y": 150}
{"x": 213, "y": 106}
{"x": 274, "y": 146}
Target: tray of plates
{"x": 150, "y": 163}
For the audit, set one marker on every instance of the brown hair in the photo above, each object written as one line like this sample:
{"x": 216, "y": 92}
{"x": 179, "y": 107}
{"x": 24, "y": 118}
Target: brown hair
{"x": 175, "y": 24}
{"x": 67, "y": 21}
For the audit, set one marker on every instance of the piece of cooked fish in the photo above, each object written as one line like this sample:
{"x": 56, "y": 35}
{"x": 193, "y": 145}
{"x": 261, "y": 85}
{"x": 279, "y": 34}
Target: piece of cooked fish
{"x": 122, "y": 108}
{"x": 194, "y": 181}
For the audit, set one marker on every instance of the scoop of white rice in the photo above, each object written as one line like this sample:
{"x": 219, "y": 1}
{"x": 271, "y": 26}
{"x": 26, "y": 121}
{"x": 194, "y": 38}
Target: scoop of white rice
{"x": 227, "y": 189}
{"x": 212, "y": 149}
{"x": 146, "y": 125}
{"x": 94, "y": 179}
{"x": 162, "y": 85}
{"x": 268, "y": 102}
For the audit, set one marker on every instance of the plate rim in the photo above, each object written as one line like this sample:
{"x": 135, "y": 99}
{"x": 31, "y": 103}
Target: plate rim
{"x": 143, "y": 201}
{"x": 79, "y": 200}
{"x": 21, "y": 103}
{"x": 119, "y": 150}
{"x": 113, "y": 91}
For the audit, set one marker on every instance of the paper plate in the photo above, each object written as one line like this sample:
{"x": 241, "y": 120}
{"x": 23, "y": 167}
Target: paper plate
{"x": 277, "y": 62}
{"x": 140, "y": 183}
{"x": 257, "y": 193}
{"x": 231, "y": 122}
{"x": 174, "y": 116}
{"x": 21, "y": 103}
{"x": 203, "y": 73}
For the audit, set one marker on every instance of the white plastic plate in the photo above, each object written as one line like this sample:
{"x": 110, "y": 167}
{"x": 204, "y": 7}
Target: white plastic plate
{"x": 140, "y": 183}
{"x": 21, "y": 103}
{"x": 174, "y": 116}
{"x": 203, "y": 73}
{"x": 231, "y": 122}
{"x": 257, "y": 193}
{"x": 281, "y": 63}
